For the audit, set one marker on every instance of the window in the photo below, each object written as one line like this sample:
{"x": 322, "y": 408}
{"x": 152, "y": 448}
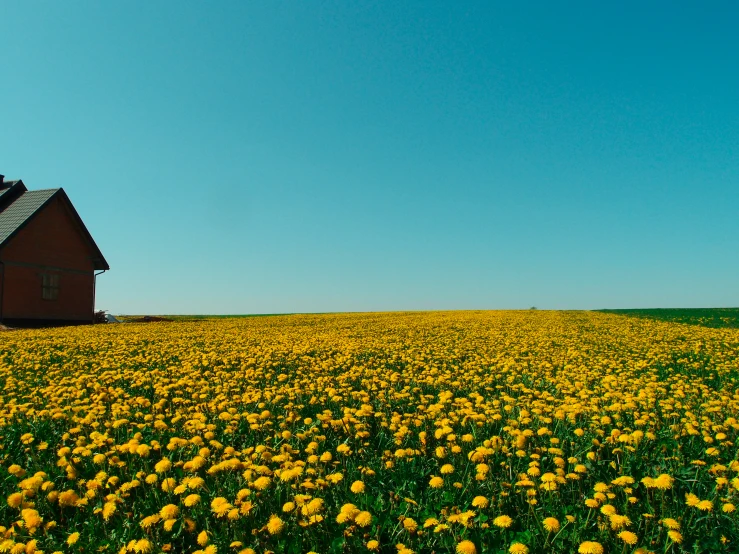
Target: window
{"x": 50, "y": 286}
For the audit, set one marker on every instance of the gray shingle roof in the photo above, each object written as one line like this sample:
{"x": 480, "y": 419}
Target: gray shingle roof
{"x": 21, "y": 210}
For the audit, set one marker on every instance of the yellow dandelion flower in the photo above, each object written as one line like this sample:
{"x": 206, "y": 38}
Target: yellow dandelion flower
{"x": 675, "y": 536}
{"x": 590, "y": 547}
{"x": 480, "y": 502}
{"x": 169, "y": 525}
{"x": 143, "y": 546}
{"x": 466, "y": 547}
{"x": 503, "y": 521}
{"x": 551, "y": 524}
{"x": 275, "y": 525}
{"x": 705, "y": 505}
{"x": 692, "y": 500}
{"x": 447, "y": 469}
{"x": 518, "y": 548}
{"x": 68, "y": 498}
{"x": 628, "y": 537}
{"x": 410, "y": 524}
{"x": 261, "y": 483}
{"x": 203, "y": 538}
{"x": 109, "y": 509}
{"x": 608, "y": 509}
{"x": 170, "y": 511}
{"x": 163, "y": 465}
{"x": 373, "y": 545}
{"x": 73, "y": 538}
{"x": 363, "y": 519}
{"x": 168, "y": 484}
{"x": 436, "y": 482}
{"x": 619, "y": 521}
{"x": 357, "y": 487}
{"x": 191, "y": 500}
{"x": 664, "y": 482}
{"x": 430, "y": 522}
{"x": 150, "y": 521}
{"x": 670, "y": 523}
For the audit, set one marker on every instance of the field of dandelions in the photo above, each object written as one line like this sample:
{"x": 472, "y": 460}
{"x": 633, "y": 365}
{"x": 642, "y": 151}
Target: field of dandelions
{"x": 459, "y": 432}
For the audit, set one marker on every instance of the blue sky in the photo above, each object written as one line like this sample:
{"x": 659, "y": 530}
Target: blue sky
{"x": 269, "y": 157}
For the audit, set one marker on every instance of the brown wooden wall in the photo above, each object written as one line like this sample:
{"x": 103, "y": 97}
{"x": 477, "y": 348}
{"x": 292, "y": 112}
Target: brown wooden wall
{"x": 51, "y": 243}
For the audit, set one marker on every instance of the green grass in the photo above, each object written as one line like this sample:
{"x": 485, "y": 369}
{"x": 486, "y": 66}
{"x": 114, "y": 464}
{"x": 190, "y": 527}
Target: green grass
{"x": 706, "y": 317}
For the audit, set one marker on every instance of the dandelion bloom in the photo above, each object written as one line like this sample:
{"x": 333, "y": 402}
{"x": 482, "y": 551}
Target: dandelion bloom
{"x": 363, "y": 518}
{"x": 480, "y": 502}
{"x": 68, "y": 498}
{"x": 705, "y": 505}
{"x": 551, "y": 524}
{"x": 628, "y": 537}
{"x": 203, "y": 538}
{"x": 608, "y": 510}
{"x": 357, "y": 487}
{"x": 73, "y": 538}
{"x": 288, "y": 507}
{"x": 410, "y": 524}
{"x": 518, "y": 548}
{"x": 220, "y": 506}
{"x": 312, "y": 507}
{"x": 670, "y": 523}
{"x": 728, "y": 508}
{"x": 16, "y": 470}
{"x": 170, "y": 511}
{"x": 664, "y": 482}
{"x": 692, "y": 500}
{"x": 466, "y": 547}
{"x": 169, "y": 484}
{"x": 275, "y": 525}
{"x": 261, "y": 483}
{"x": 169, "y": 524}
{"x": 373, "y": 545}
{"x": 163, "y": 465}
{"x": 436, "y": 482}
{"x": 675, "y": 536}
{"x": 447, "y": 469}
{"x": 15, "y": 500}
{"x": 619, "y": 521}
{"x": 350, "y": 510}
{"x": 109, "y": 509}
{"x": 503, "y": 521}
{"x": 143, "y": 546}
{"x": 590, "y": 547}
{"x": 191, "y": 500}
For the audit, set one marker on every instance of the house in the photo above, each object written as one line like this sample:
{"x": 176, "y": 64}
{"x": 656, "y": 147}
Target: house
{"x": 48, "y": 259}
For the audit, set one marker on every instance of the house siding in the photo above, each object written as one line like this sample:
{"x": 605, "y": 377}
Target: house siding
{"x": 50, "y": 243}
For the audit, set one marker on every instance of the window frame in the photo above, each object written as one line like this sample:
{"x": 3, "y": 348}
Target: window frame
{"x": 50, "y": 286}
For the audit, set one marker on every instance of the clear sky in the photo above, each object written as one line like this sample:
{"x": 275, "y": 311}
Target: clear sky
{"x": 271, "y": 157}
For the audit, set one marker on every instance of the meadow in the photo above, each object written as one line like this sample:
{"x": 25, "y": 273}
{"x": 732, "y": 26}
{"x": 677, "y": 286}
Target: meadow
{"x": 502, "y": 432}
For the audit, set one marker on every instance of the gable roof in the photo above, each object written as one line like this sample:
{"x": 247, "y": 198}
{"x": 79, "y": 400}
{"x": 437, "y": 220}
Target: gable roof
{"x": 27, "y": 204}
